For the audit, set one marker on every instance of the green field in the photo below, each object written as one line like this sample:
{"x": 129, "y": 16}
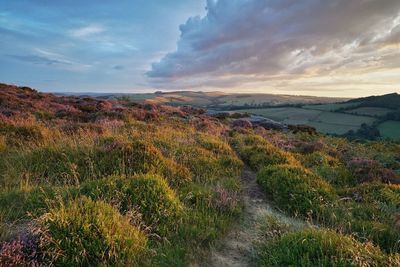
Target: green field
{"x": 390, "y": 129}
{"x": 323, "y": 121}
{"x": 370, "y": 111}
{"x": 331, "y": 107}
{"x": 221, "y": 100}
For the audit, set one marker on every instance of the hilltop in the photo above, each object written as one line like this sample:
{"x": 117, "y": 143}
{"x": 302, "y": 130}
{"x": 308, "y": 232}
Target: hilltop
{"x": 111, "y": 182}
{"x": 218, "y": 100}
{"x": 391, "y": 101}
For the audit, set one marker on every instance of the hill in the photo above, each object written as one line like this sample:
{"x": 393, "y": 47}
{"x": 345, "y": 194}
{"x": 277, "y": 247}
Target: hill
{"x": 372, "y": 117}
{"x": 218, "y": 100}
{"x": 94, "y": 182}
{"x": 391, "y": 101}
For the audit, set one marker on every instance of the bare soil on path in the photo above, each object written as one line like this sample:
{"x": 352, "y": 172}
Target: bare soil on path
{"x": 237, "y": 247}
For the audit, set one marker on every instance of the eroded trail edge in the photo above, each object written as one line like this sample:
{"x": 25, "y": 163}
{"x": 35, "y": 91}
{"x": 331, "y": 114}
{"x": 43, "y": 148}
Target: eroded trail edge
{"x": 237, "y": 248}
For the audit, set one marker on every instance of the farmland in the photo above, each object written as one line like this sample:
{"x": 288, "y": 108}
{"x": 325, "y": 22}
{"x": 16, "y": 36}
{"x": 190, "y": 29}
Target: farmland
{"x": 390, "y": 129}
{"x": 330, "y": 107}
{"x": 323, "y": 121}
{"x": 369, "y": 111}
{"x": 220, "y": 100}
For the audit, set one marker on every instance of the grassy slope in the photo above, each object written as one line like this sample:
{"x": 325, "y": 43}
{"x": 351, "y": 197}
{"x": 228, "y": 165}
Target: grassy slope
{"x": 50, "y": 162}
{"x": 169, "y": 179}
{"x": 323, "y": 185}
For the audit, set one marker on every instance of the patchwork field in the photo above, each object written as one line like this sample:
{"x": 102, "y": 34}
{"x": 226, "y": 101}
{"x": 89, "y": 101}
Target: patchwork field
{"x": 219, "y": 100}
{"x": 323, "y": 121}
{"x": 390, "y": 129}
{"x": 330, "y": 107}
{"x": 370, "y": 111}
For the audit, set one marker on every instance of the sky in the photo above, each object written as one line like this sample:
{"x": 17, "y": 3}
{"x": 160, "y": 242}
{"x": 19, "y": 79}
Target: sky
{"x": 340, "y": 48}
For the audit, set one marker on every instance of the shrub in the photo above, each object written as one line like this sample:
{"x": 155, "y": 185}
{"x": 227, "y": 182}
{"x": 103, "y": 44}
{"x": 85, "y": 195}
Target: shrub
{"x": 376, "y": 193}
{"x": 66, "y": 165}
{"x": 43, "y": 115}
{"x": 19, "y": 204}
{"x": 296, "y": 189}
{"x": 257, "y": 152}
{"x": 22, "y": 132}
{"x": 23, "y": 251}
{"x": 383, "y": 235}
{"x": 206, "y": 166}
{"x": 319, "y": 248}
{"x": 328, "y": 168}
{"x": 110, "y": 189}
{"x": 156, "y": 201}
{"x": 128, "y": 158}
{"x": 150, "y": 195}
{"x": 90, "y": 233}
{"x": 366, "y": 170}
{"x": 52, "y": 165}
{"x": 3, "y": 145}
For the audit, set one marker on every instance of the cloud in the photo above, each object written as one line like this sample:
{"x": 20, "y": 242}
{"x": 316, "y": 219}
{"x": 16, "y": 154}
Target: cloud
{"x": 36, "y": 59}
{"x": 86, "y": 31}
{"x": 254, "y": 40}
{"x": 48, "y": 58}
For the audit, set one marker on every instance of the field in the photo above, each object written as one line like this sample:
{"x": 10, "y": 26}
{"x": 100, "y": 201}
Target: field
{"x": 323, "y": 121}
{"x": 330, "y": 107}
{"x": 370, "y": 111}
{"x": 219, "y": 100}
{"x": 390, "y": 129}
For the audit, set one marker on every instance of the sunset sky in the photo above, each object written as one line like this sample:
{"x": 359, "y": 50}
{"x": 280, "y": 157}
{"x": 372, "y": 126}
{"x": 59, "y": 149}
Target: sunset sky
{"x": 343, "y": 48}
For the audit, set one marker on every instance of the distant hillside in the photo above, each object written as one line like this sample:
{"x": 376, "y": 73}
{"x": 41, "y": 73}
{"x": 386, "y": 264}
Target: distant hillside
{"x": 24, "y": 102}
{"x": 219, "y": 100}
{"x": 391, "y": 101}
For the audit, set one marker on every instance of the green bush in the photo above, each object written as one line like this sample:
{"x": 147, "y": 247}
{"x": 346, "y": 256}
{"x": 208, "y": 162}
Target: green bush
{"x": 150, "y": 195}
{"x": 53, "y": 165}
{"x": 258, "y": 152}
{"x": 385, "y": 236}
{"x": 66, "y": 165}
{"x": 296, "y": 190}
{"x": 319, "y": 248}
{"x": 328, "y": 167}
{"x": 22, "y": 132}
{"x": 376, "y": 193}
{"x": 127, "y": 158}
{"x": 89, "y": 233}
{"x": 206, "y": 166}
{"x": 18, "y": 204}
{"x": 156, "y": 201}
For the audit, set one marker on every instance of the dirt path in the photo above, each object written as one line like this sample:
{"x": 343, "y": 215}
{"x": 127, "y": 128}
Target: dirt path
{"x": 236, "y": 249}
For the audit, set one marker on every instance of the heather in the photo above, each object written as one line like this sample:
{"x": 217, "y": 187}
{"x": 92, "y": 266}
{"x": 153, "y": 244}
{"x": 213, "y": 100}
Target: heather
{"x": 86, "y": 181}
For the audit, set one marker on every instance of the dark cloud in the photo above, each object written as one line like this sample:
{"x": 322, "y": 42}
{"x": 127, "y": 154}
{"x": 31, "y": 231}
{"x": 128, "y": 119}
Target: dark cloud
{"x": 265, "y": 38}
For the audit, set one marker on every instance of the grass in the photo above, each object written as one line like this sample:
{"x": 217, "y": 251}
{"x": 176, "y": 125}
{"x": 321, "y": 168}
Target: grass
{"x": 177, "y": 185}
{"x": 314, "y": 185}
{"x": 86, "y": 232}
{"x": 156, "y": 186}
{"x": 257, "y": 152}
{"x": 314, "y": 247}
{"x": 296, "y": 190}
{"x": 390, "y": 129}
